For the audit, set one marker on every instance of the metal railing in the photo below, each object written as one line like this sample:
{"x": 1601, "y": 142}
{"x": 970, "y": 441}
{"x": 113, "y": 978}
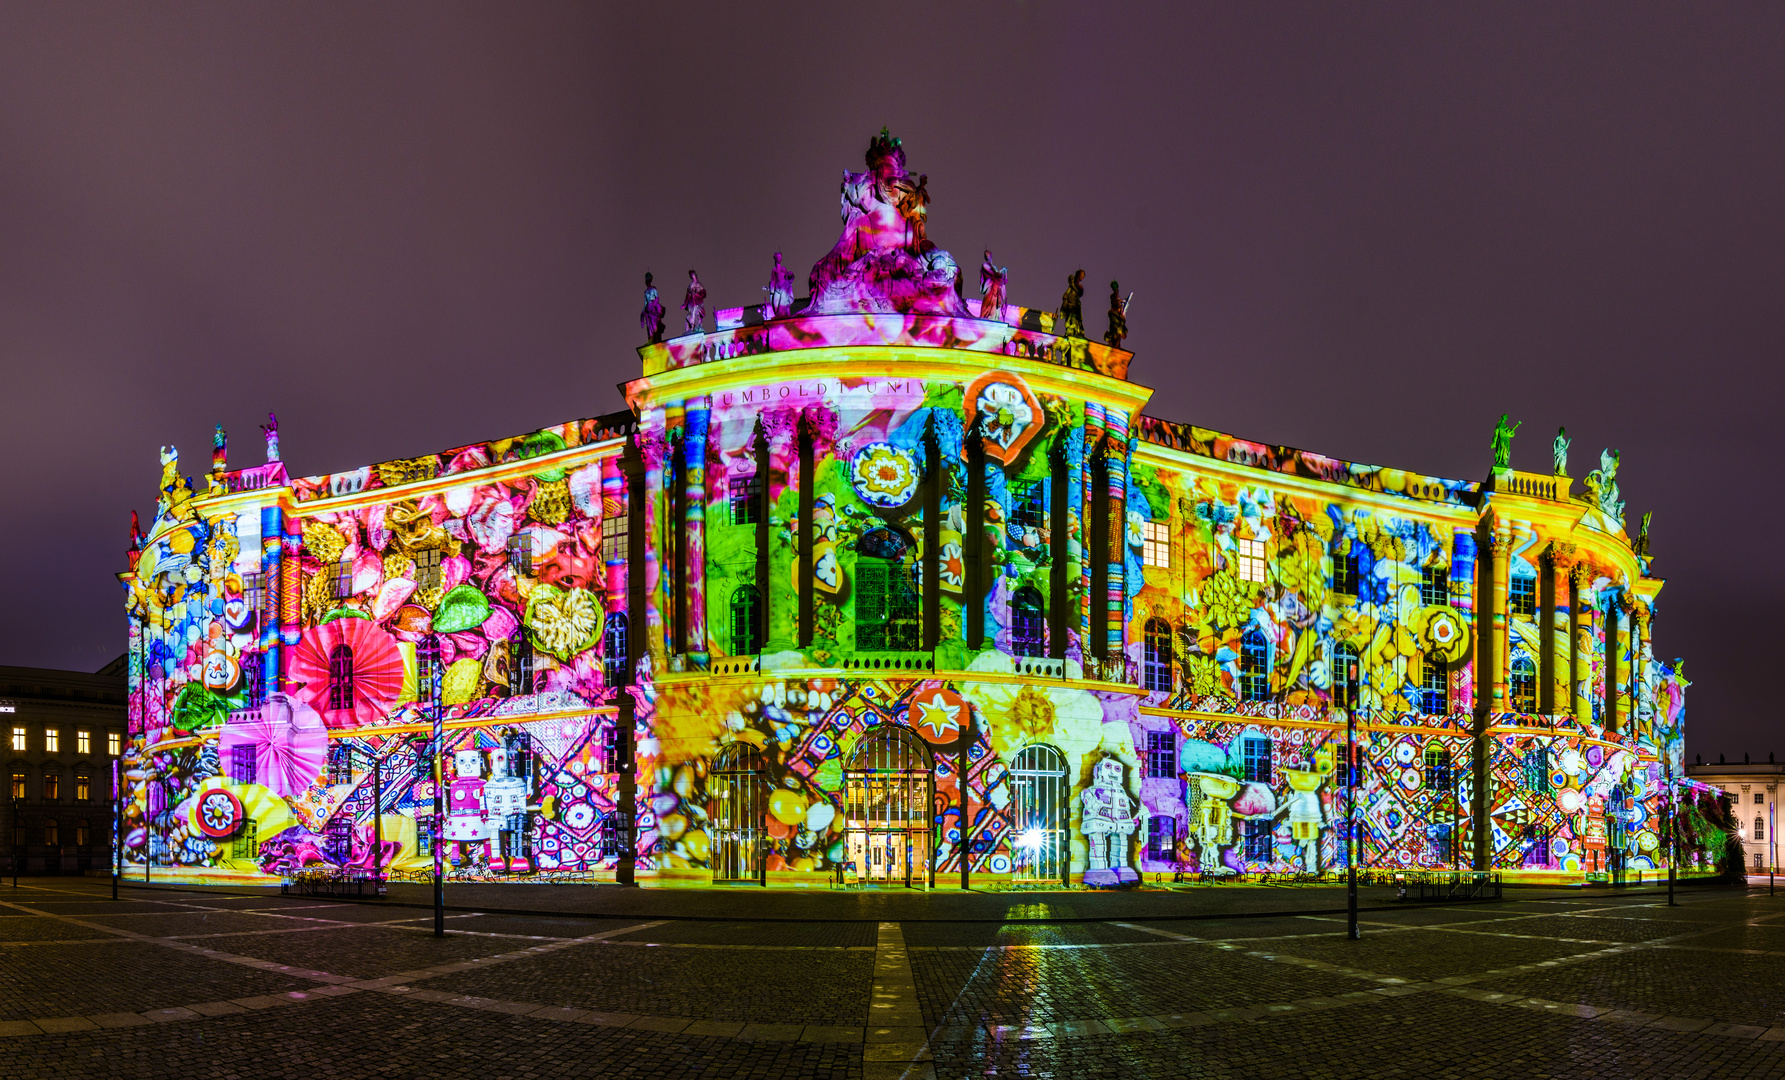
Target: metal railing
{"x": 1448, "y": 887}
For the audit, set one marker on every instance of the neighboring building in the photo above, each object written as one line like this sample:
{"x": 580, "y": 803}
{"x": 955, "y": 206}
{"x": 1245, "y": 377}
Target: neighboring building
{"x": 1753, "y": 791}
{"x": 847, "y": 549}
{"x": 63, "y": 730}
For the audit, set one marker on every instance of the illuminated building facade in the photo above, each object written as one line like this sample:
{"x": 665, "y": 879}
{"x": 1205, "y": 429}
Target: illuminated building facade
{"x": 891, "y": 583}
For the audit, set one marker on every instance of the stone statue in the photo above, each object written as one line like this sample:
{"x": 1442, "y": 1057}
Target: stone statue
{"x": 1108, "y": 821}
{"x": 1118, "y": 317}
{"x": 219, "y": 450}
{"x": 271, "y": 430}
{"x": 1072, "y": 307}
{"x": 780, "y": 290}
{"x": 1602, "y": 486}
{"x": 651, "y": 318}
{"x": 1559, "y": 451}
{"x": 694, "y": 303}
{"x": 994, "y": 281}
{"x": 1641, "y": 546}
{"x": 1502, "y": 444}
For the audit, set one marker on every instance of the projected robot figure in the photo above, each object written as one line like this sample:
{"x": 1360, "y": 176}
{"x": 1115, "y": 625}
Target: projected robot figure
{"x": 1109, "y": 820}
{"x": 505, "y": 800}
{"x": 468, "y": 822}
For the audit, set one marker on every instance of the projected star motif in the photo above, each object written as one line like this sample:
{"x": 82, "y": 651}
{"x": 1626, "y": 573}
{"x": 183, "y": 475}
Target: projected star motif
{"x": 938, "y": 710}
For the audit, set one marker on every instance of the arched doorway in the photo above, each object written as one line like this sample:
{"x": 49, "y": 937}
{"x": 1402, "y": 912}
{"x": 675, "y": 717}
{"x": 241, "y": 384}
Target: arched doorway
{"x": 1039, "y": 815}
{"x": 891, "y": 780}
{"x": 737, "y": 799}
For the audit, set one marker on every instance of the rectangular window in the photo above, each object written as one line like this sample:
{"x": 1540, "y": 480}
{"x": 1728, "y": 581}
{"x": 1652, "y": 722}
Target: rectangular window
{"x": 114, "y": 743}
{"x": 242, "y": 767}
{"x": 614, "y": 538}
{"x": 427, "y": 569}
{"x": 18, "y": 785}
{"x": 83, "y": 742}
{"x": 1347, "y": 570}
{"x": 1345, "y": 677}
{"x": 424, "y": 835}
{"x": 52, "y": 834}
{"x": 343, "y": 572}
{"x": 610, "y": 748}
{"x": 1438, "y": 775}
{"x": 247, "y": 842}
{"x": 1162, "y": 838}
{"x": 1537, "y": 774}
{"x": 52, "y": 787}
{"x": 1155, "y": 549}
{"x": 746, "y": 499}
{"x": 1759, "y": 828}
{"x": 1251, "y": 560}
{"x": 520, "y": 553}
{"x": 18, "y": 739}
{"x": 1162, "y": 755}
{"x": 1434, "y": 586}
{"x": 1434, "y": 691}
{"x": 1258, "y": 838}
{"x": 52, "y": 740}
{"x": 1440, "y": 838}
{"x": 340, "y": 764}
{"x": 82, "y": 833}
{"x": 1759, "y": 798}
{"x": 1257, "y": 759}
{"x": 1521, "y": 596}
{"x": 254, "y": 591}
{"x": 83, "y": 789}
{"x": 1030, "y": 512}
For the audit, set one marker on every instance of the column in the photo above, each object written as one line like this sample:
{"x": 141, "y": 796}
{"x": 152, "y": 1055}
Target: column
{"x": 1500, "y": 559}
{"x": 933, "y": 482}
{"x": 674, "y": 552}
{"x": 646, "y": 500}
{"x": 1580, "y": 653}
{"x": 1613, "y": 713}
{"x": 272, "y": 559}
{"x": 1096, "y": 536}
{"x": 1116, "y": 546}
{"x": 1546, "y": 631}
{"x": 637, "y": 500}
{"x": 694, "y": 530}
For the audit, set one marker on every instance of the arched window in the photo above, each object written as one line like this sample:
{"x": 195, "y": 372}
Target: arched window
{"x": 1156, "y": 661}
{"x": 340, "y": 677}
{"x": 1345, "y": 676}
{"x": 520, "y": 664}
{"x": 746, "y": 621}
{"x": 1521, "y": 685}
{"x": 1255, "y": 667}
{"x": 887, "y": 617}
{"x": 613, "y": 650}
{"x": 1028, "y": 626}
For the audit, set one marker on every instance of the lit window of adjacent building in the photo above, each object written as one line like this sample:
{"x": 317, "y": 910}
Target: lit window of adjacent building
{"x": 1250, "y": 560}
{"x": 83, "y": 742}
{"x": 52, "y": 740}
{"x": 1521, "y": 596}
{"x": 343, "y": 574}
{"x": 52, "y": 787}
{"x": 18, "y": 739}
{"x": 114, "y": 743}
{"x": 1162, "y": 755}
{"x": 1155, "y": 548}
{"x": 427, "y": 568}
{"x": 746, "y": 499}
{"x": 83, "y": 789}
{"x": 1434, "y": 585}
{"x": 520, "y": 553}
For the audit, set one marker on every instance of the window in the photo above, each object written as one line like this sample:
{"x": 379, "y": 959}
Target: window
{"x": 1758, "y": 865}
{"x": 1255, "y": 671}
{"x": 886, "y": 606}
{"x": 520, "y": 664}
{"x": 1537, "y": 774}
{"x": 1256, "y": 759}
{"x": 1434, "y": 585}
{"x": 246, "y": 844}
{"x": 1440, "y": 838}
{"x": 83, "y": 742}
{"x": 18, "y": 739}
{"x": 52, "y": 833}
{"x": 340, "y": 763}
{"x": 337, "y": 838}
{"x": 1348, "y": 569}
{"x": 613, "y": 650}
{"x": 1028, "y": 627}
{"x": 1345, "y": 677}
{"x": 424, "y": 835}
{"x": 254, "y": 591}
{"x": 428, "y": 671}
{"x": 83, "y": 789}
{"x": 614, "y": 538}
{"x": 343, "y": 572}
{"x": 1759, "y": 797}
{"x": 1155, "y": 547}
{"x": 746, "y": 606}
{"x": 242, "y": 763}
{"x": 1438, "y": 776}
{"x": 254, "y": 679}
{"x": 746, "y": 499}
{"x": 1162, "y": 755}
{"x": 52, "y": 786}
{"x": 1251, "y": 560}
{"x": 340, "y": 677}
{"x": 610, "y": 748}
{"x": 1258, "y": 838}
{"x": 427, "y": 569}
{"x": 1162, "y": 838}
{"x": 1759, "y": 827}
{"x": 114, "y": 743}
{"x": 1521, "y": 596}
{"x": 1521, "y": 686}
{"x": 52, "y": 740}
{"x": 1155, "y": 668}
{"x": 1030, "y": 511}
{"x": 1536, "y": 843}
{"x": 520, "y": 553}
{"x": 82, "y": 833}
{"x": 1434, "y": 690}
{"x": 18, "y": 785}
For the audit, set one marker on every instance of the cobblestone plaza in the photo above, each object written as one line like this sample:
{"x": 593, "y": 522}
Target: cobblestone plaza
{"x": 221, "y": 983}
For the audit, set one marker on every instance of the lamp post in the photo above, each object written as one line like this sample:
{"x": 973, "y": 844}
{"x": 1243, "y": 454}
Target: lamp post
{"x": 1672, "y": 848}
{"x": 1351, "y": 844}
{"x": 378, "y": 821}
{"x": 17, "y": 829}
{"x": 439, "y": 740}
{"x": 117, "y": 849}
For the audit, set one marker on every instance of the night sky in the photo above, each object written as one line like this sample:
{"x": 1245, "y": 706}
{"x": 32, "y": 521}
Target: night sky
{"x": 409, "y": 228}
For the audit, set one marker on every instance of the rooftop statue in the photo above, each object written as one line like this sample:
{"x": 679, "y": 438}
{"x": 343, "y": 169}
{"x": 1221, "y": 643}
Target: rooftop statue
{"x": 271, "y": 430}
{"x": 1602, "y": 486}
{"x": 651, "y": 318}
{"x": 1502, "y": 444}
{"x": 994, "y": 282}
{"x": 1118, "y": 317}
{"x": 694, "y": 303}
{"x": 780, "y": 290}
{"x": 219, "y": 450}
{"x": 885, "y": 261}
{"x": 1072, "y": 307}
{"x": 1641, "y": 547}
{"x": 1559, "y": 451}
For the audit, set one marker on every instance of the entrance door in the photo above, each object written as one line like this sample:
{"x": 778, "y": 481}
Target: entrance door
{"x": 735, "y": 789}
{"x": 1039, "y": 791}
{"x": 890, "y": 779}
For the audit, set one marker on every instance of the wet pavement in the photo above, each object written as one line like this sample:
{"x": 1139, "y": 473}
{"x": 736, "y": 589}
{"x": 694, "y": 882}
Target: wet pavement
{"x": 1218, "y": 982}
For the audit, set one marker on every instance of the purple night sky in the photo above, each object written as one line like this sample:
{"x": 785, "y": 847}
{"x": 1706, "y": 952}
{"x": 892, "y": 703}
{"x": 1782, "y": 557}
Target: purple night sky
{"x": 411, "y": 227}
